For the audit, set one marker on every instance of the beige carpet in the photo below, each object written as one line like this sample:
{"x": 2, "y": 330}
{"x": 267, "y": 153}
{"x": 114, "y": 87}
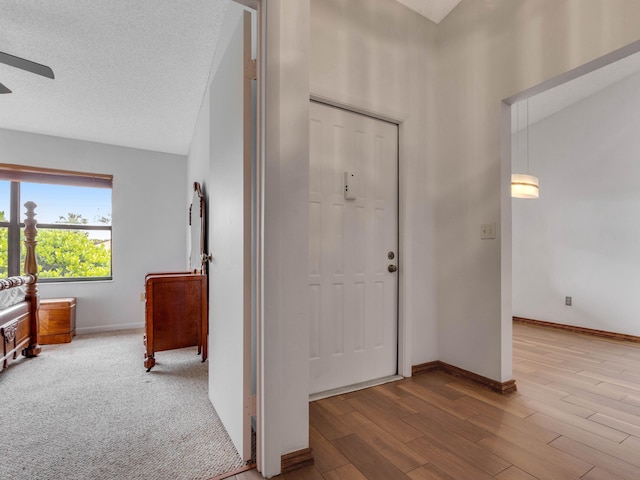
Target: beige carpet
{"x": 89, "y": 410}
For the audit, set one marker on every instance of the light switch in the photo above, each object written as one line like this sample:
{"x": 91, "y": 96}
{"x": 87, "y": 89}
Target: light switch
{"x": 488, "y": 231}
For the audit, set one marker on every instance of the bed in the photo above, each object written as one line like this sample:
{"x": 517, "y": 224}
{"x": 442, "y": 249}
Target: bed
{"x": 19, "y": 302}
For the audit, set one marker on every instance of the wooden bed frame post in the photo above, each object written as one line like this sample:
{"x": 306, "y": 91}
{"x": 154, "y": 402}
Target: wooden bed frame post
{"x": 31, "y": 268}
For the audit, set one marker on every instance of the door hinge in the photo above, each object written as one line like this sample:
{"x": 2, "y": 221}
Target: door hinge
{"x": 251, "y": 406}
{"x": 250, "y": 70}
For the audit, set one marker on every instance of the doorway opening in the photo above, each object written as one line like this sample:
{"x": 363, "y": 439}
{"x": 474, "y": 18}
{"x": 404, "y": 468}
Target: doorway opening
{"x": 563, "y": 253}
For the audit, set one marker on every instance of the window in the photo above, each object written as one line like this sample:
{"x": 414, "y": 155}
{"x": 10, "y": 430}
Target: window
{"x": 74, "y": 222}
{"x": 4, "y": 227}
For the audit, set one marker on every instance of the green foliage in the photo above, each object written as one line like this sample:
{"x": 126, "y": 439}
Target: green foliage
{"x": 73, "y": 219}
{"x": 62, "y": 253}
{"x": 4, "y": 251}
{"x": 2, "y": 216}
{"x": 71, "y": 253}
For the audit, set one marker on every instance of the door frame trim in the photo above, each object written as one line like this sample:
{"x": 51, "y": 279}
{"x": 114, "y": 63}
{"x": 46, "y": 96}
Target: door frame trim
{"x": 253, "y": 271}
{"x": 396, "y": 118}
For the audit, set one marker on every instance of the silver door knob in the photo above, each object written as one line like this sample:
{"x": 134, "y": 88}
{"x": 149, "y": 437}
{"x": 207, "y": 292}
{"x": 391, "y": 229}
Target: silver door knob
{"x": 392, "y": 268}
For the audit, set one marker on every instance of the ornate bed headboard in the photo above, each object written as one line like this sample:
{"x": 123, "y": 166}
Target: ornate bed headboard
{"x": 19, "y": 322}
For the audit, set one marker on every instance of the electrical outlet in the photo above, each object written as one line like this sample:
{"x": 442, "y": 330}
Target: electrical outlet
{"x": 488, "y": 231}
{"x": 567, "y": 301}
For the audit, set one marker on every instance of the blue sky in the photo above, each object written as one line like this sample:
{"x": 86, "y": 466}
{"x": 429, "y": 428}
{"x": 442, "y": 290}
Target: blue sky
{"x": 58, "y": 200}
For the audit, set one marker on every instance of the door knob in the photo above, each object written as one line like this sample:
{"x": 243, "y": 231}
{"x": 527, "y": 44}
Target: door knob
{"x": 392, "y": 268}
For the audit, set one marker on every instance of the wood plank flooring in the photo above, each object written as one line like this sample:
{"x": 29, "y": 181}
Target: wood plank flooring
{"x": 576, "y": 415}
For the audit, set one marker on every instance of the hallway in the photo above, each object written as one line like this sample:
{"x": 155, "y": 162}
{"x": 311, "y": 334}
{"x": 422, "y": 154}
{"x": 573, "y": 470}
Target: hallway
{"x": 576, "y": 415}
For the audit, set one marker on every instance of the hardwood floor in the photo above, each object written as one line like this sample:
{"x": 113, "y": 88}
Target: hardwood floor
{"x": 576, "y": 415}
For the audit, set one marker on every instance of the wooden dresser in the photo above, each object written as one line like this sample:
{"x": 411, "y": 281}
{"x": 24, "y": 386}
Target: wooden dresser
{"x": 175, "y": 313}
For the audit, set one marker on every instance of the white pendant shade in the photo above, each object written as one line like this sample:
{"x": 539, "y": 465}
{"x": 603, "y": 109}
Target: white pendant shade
{"x": 524, "y": 186}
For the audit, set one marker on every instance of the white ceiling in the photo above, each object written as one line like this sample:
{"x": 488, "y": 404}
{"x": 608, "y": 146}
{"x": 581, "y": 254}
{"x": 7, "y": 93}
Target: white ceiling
{"x": 434, "y": 10}
{"x": 130, "y": 73}
{"x": 551, "y": 101}
{"x": 134, "y": 73}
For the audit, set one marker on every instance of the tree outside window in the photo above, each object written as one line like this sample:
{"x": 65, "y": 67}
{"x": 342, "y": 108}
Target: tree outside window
{"x": 74, "y": 227}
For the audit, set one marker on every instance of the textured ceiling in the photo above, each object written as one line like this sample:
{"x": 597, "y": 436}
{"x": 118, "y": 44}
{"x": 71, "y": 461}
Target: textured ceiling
{"x": 130, "y": 73}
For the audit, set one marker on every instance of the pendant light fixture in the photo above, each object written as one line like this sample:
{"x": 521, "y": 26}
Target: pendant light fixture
{"x": 524, "y": 185}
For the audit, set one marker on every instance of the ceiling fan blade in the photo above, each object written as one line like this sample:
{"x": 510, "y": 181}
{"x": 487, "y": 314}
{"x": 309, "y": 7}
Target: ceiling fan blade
{"x": 27, "y": 65}
{"x": 4, "y": 89}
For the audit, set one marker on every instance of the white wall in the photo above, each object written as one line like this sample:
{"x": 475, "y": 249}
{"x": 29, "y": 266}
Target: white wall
{"x": 198, "y": 163}
{"x": 148, "y": 214}
{"x": 285, "y": 344}
{"x": 581, "y": 238}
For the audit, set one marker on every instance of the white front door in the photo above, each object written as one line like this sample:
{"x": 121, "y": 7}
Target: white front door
{"x": 353, "y": 246}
